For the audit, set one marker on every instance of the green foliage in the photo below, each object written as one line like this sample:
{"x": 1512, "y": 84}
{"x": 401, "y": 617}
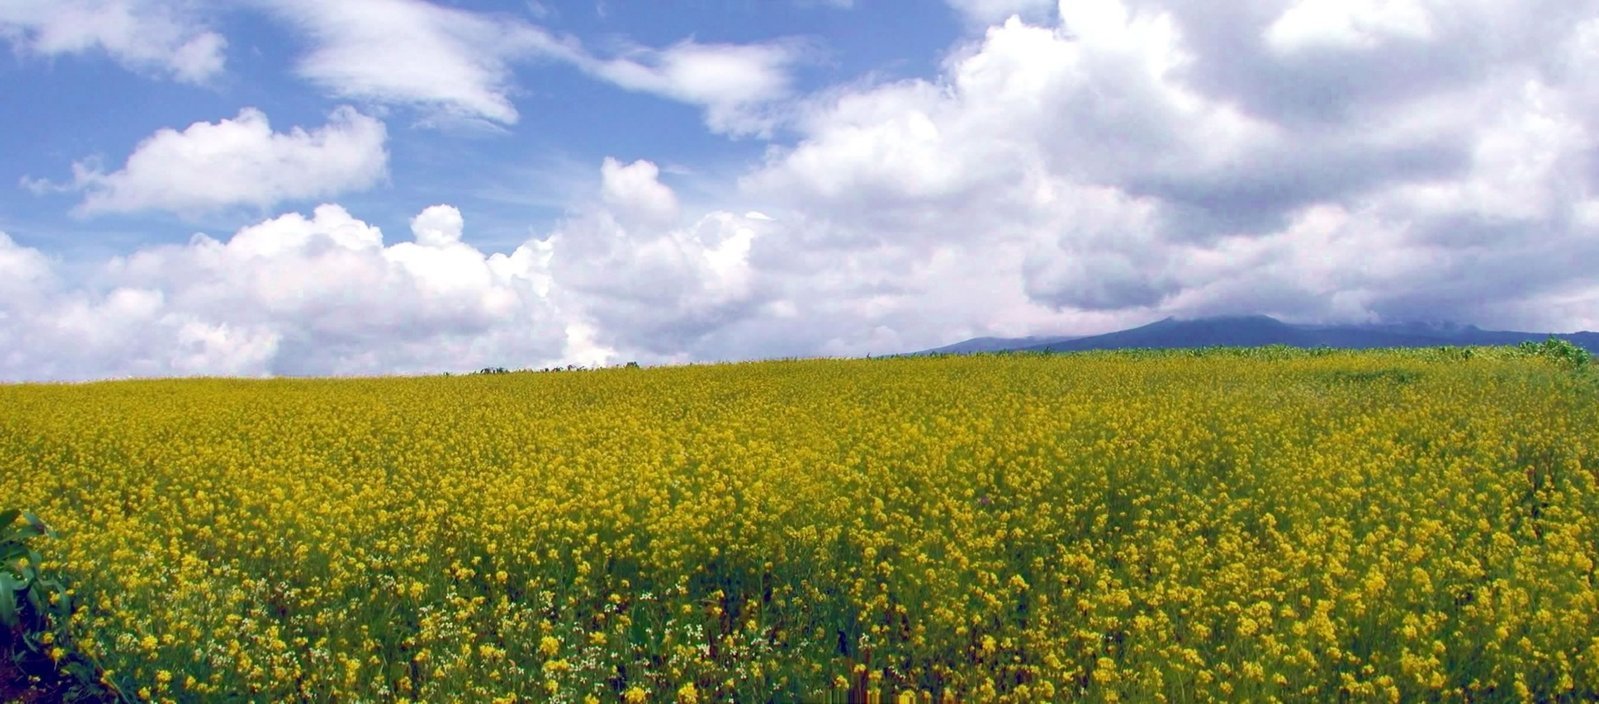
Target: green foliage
{"x": 1558, "y": 350}
{"x": 1376, "y": 376}
{"x": 27, "y": 595}
{"x": 35, "y": 610}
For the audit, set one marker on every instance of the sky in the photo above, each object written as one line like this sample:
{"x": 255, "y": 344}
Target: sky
{"x": 299, "y": 187}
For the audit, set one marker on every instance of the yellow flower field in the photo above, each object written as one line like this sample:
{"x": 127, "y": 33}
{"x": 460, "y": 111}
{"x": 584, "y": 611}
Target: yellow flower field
{"x": 1123, "y": 526}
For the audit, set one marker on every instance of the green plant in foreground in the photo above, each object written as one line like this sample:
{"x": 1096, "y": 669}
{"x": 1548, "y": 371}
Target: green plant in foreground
{"x": 27, "y": 595}
{"x": 35, "y": 608}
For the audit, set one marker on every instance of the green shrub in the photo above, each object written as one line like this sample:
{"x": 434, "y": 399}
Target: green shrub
{"x": 1556, "y": 349}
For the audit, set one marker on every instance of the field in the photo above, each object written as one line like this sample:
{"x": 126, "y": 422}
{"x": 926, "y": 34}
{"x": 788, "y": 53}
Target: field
{"x": 1253, "y": 525}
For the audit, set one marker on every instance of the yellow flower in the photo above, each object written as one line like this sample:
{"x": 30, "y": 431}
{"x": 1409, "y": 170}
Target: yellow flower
{"x": 1237, "y": 517}
{"x": 687, "y": 694}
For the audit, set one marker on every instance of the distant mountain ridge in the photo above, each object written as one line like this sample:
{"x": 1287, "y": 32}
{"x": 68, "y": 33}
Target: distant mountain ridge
{"x": 997, "y": 344}
{"x": 1259, "y": 330}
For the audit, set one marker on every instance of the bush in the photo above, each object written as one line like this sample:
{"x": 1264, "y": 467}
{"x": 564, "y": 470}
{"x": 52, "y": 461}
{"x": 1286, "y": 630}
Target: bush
{"x": 1556, "y": 349}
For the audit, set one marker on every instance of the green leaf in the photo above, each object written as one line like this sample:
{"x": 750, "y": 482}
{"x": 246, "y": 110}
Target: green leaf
{"x": 38, "y": 524}
{"x": 81, "y": 671}
{"x": 8, "y": 517}
{"x": 15, "y": 582}
{"x": 37, "y": 600}
{"x": 8, "y": 600}
{"x": 63, "y": 605}
{"x": 12, "y": 551}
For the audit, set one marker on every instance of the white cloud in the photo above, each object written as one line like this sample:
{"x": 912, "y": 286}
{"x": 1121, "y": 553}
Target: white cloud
{"x": 409, "y": 52}
{"x": 161, "y": 37}
{"x": 324, "y": 294}
{"x": 1348, "y": 24}
{"x": 239, "y": 161}
{"x": 635, "y": 191}
{"x": 1108, "y": 75}
{"x": 23, "y": 271}
{"x": 657, "y": 293}
{"x": 459, "y": 65}
{"x": 731, "y": 81}
{"x": 1100, "y": 173}
{"x": 438, "y": 227}
{"x": 290, "y": 295}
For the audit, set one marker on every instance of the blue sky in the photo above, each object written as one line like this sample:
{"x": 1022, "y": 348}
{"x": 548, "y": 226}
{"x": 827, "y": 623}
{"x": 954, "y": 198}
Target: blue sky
{"x": 269, "y": 187}
{"x": 565, "y": 124}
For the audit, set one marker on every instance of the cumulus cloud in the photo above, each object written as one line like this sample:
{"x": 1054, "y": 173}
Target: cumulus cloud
{"x": 635, "y": 191}
{"x": 1124, "y": 161}
{"x": 239, "y": 161}
{"x": 325, "y": 294}
{"x": 22, "y": 270}
{"x": 457, "y": 64}
{"x": 658, "y": 293}
{"x": 291, "y": 295}
{"x": 159, "y": 37}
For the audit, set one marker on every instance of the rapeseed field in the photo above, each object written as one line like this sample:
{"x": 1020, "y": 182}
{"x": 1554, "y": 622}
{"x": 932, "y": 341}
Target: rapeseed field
{"x": 1263, "y": 525}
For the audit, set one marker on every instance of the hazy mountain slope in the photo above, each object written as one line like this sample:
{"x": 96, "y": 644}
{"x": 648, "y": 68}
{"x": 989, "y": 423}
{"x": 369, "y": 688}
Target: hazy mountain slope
{"x": 996, "y": 344}
{"x": 1257, "y": 330}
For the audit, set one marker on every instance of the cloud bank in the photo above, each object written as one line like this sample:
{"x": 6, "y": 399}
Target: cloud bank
{"x": 324, "y": 294}
{"x": 1133, "y": 159}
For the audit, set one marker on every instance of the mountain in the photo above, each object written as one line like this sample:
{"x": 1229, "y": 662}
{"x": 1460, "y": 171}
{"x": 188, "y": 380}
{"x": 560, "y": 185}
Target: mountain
{"x": 1258, "y": 330}
{"x": 996, "y": 344}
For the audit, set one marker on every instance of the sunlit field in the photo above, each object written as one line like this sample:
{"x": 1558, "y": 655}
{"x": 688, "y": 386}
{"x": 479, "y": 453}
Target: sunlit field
{"x": 1123, "y": 526}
